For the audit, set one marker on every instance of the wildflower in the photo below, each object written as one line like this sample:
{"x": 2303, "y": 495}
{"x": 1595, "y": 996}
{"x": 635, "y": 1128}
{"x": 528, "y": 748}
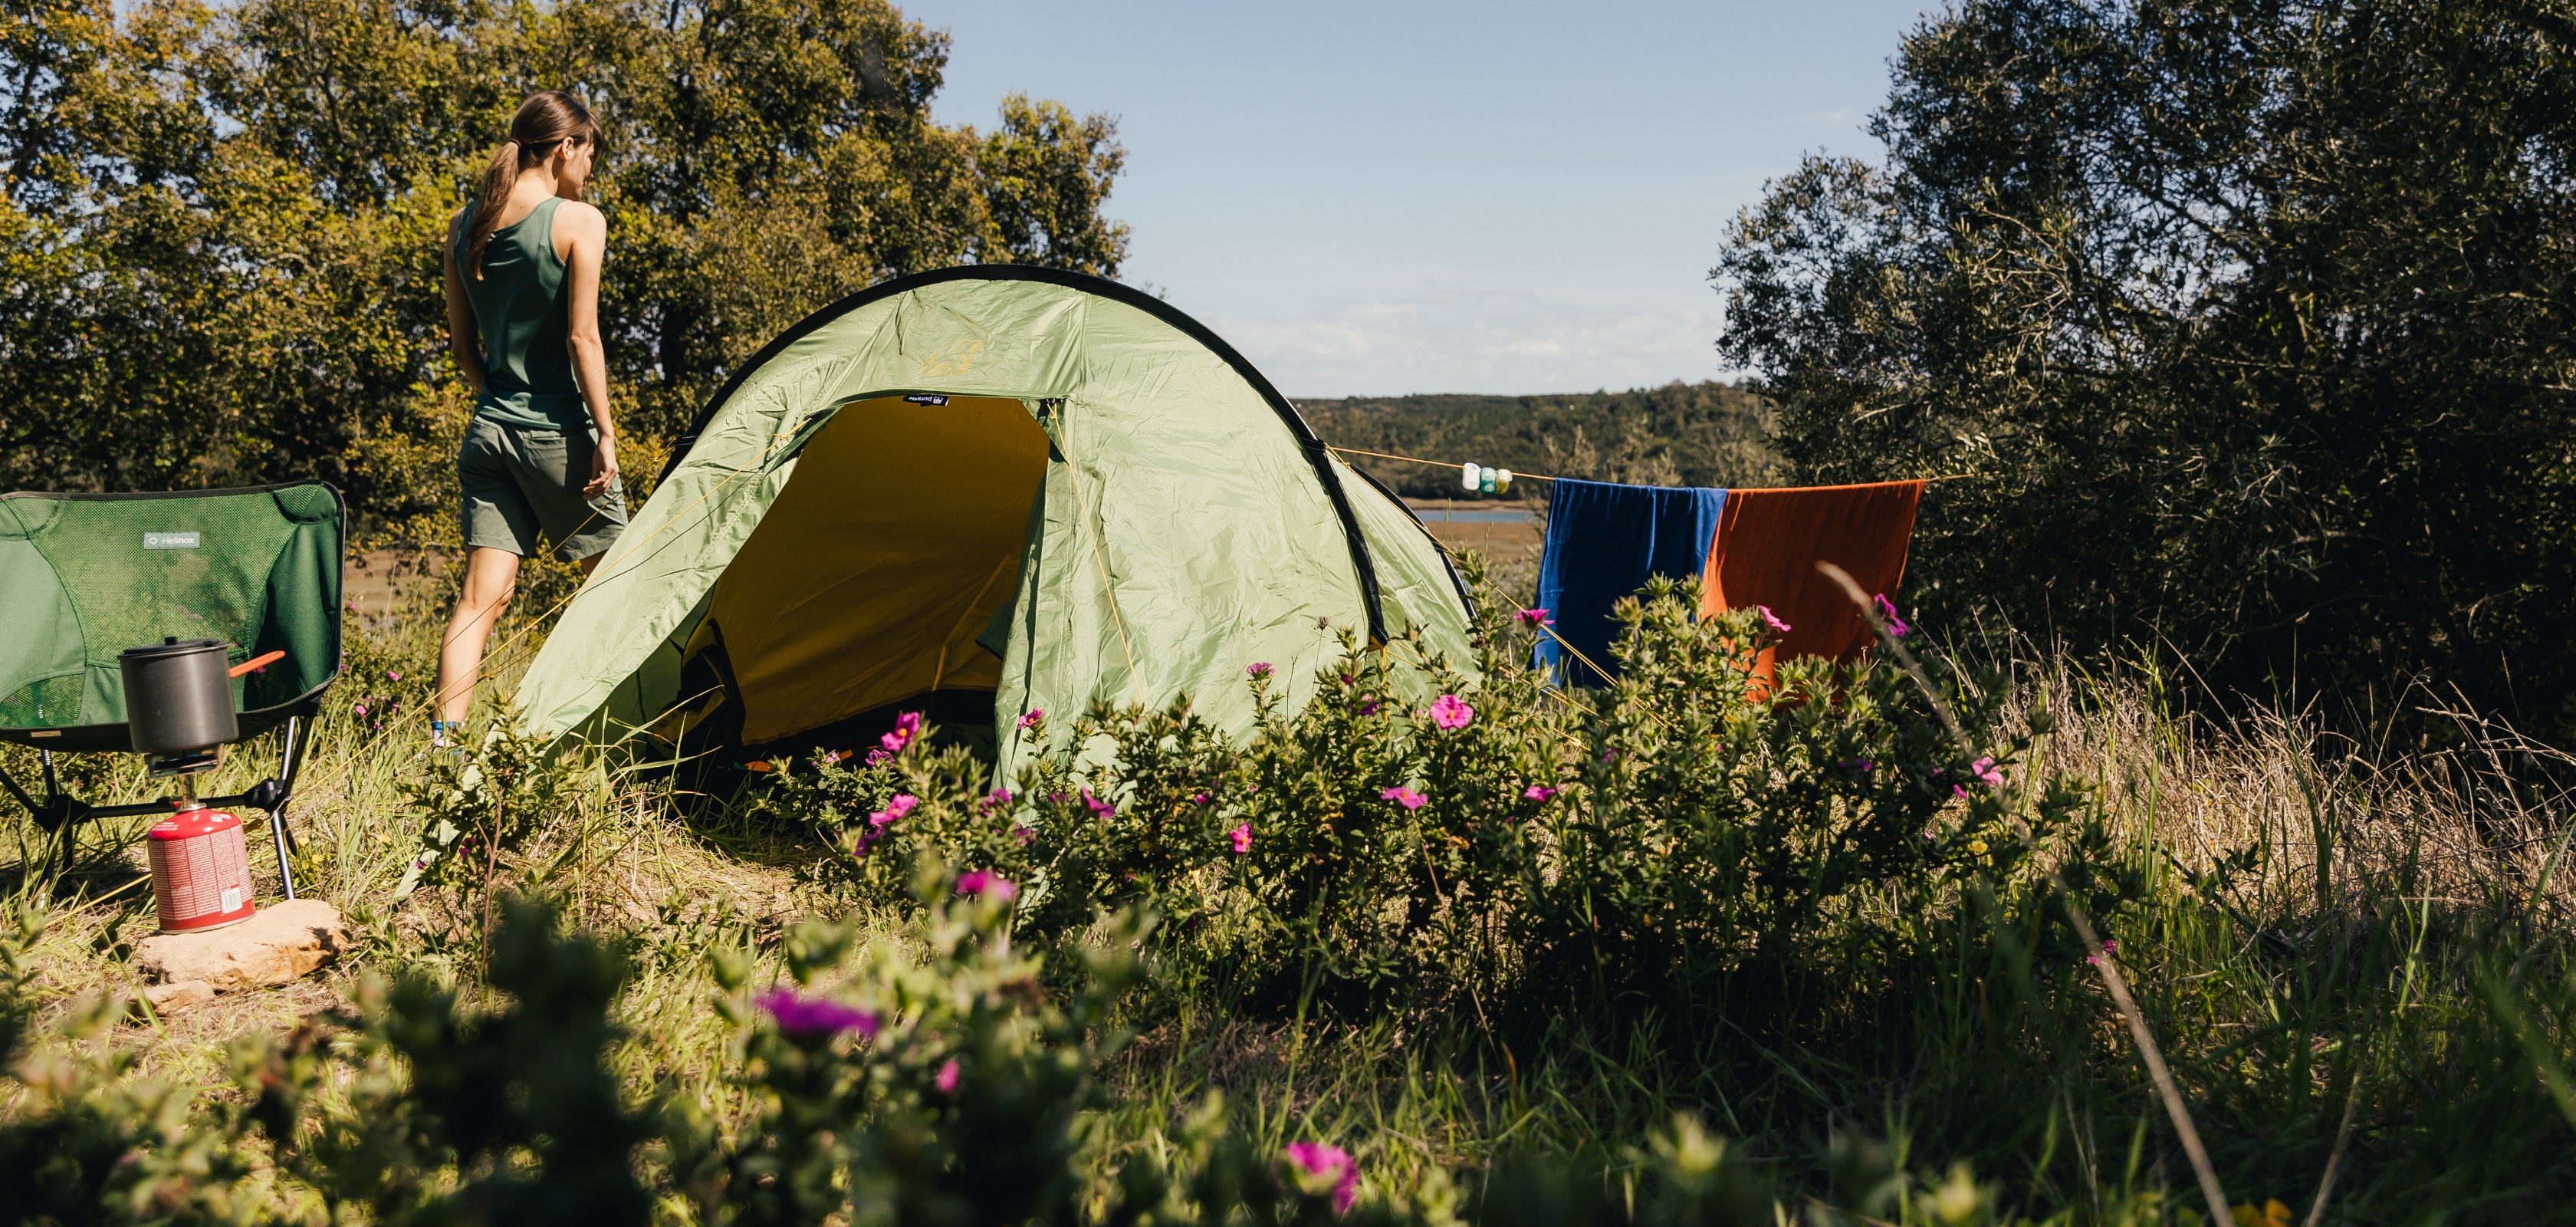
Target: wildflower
{"x": 1200, "y": 798}
{"x": 2273, "y": 1214}
{"x": 878, "y": 756}
{"x": 814, "y": 1016}
{"x": 946, "y": 1080}
{"x": 1035, "y": 717}
{"x": 1369, "y": 707}
{"x": 1348, "y": 680}
{"x": 1896, "y": 626}
{"x": 1098, "y": 807}
{"x": 1451, "y": 712}
{"x": 1538, "y": 792}
{"x": 1242, "y": 837}
{"x": 1405, "y": 797}
{"x": 1773, "y": 621}
{"x": 359, "y": 708}
{"x": 895, "y": 809}
{"x": 996, "y": 799}
{"x": 1986, "y": 770}
{"x": 390, "y": 675}
{"x": 1537, "y": 617}
{"x": 1976, "y": 847}
{"x": 986, "y": 884}
{"x": 907, "y": 730}
{"x": 1320, "y": 1167}
{"x": 1024, "y": 834}
{"x": 1258, "y": 668}
{"x": 1610, "y": 756}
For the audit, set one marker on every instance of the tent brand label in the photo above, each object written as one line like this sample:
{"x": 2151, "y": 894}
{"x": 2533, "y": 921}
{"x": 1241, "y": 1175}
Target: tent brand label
{"x": 169, "y": 541}
{"x": 925, "y": 398}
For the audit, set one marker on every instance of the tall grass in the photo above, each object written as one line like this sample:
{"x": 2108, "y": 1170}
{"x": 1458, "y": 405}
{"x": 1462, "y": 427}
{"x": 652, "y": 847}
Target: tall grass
{"x": 2350, "y": 952}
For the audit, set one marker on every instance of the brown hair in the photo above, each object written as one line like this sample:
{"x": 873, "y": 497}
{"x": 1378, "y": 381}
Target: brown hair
{"x": 547, "y": 119}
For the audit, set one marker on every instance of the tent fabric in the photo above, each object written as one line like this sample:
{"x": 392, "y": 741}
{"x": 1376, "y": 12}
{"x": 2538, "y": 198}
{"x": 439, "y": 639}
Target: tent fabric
{"x": 1768, "y": 543}
{"x": 1185, "y": 522}
{"x": 85, "y": 576}
{"x": 1604, "y": 542}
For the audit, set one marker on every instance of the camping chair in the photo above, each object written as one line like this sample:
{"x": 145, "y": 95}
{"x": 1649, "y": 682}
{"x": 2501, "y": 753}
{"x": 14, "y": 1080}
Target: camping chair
{"x": 86, "y": 576}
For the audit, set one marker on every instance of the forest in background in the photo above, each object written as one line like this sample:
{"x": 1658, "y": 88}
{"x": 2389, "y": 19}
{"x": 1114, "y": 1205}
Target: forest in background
{"x": 220, "y": 235}
{"x": 1681, "y": 434}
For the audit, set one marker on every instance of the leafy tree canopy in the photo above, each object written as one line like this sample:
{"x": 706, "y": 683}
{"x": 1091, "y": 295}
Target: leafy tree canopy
{"x": 2250, "y": 322}
{"x": 219, "y": 244}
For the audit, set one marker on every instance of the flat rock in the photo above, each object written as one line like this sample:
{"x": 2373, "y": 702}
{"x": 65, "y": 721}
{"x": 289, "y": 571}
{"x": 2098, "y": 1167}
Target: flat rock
{"x": 178, "y": 997}
{"x": 276, "y": 946}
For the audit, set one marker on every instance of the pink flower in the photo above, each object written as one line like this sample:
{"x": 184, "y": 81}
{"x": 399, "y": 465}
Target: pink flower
{"x": 814, "y": 1016}
{"x": 1242, "y": 837}
{"x": 1098, "y": 807}
{"x": 1036, "y": 717}
{"x": 1320, "y": 1167}
{"x": 1024, "y": 834}
{"x": 996, "y": 799}
{"x": 1986, "y": 770}
{"x": 907, "y": 730}
{"x": 1405, "y": 797}
{"x": 1896, "y": 626}
{"x": 390, "y": 675}
{"x": 1538, "y": 792}
{"x": 1259, "y": 668}
{"x": 878, "y": 756}
{"x": 1451, "y": 712}
{"x": 986, "y": 884}
{"x": 946, "y": 1080}
{"x": 1536, "y": 617}
{"x": 1200, "y": 798}
{"x": 359, "y": 708}
{"x": 901, "y": 805}
{"x": 1773, "y": 621}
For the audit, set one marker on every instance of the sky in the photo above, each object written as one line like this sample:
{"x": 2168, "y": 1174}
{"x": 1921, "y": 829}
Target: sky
{"x": 1389, "y": 198}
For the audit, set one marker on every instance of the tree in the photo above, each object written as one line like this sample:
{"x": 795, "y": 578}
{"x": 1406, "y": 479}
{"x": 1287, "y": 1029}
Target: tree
{"x": 219, "y": 260}
{"x": 2248, "y": 324}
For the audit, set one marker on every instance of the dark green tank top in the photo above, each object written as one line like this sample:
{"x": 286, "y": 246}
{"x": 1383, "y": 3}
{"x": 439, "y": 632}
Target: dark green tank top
{"x": 519, "y": 314}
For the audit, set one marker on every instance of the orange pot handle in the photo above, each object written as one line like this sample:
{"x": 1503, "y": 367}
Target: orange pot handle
{"x": 255, "y": 662}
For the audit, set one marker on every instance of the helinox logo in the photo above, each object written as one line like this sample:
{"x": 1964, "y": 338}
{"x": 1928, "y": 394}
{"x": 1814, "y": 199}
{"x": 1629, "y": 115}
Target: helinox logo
{"x": 169, "y": 541}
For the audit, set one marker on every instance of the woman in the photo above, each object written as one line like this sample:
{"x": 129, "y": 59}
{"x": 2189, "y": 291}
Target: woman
{"x": 539, "y": 464}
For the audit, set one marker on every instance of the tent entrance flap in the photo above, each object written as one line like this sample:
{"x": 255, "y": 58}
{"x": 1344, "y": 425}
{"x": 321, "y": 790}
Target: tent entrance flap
{"x": 898, "y": 535}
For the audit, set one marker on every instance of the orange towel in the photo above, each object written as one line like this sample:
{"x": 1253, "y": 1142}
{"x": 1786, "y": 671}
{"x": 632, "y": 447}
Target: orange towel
{"x": 1767, "y": 546}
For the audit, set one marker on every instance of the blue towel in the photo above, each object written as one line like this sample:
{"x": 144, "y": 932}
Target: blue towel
{"x": 1604, "y": 542}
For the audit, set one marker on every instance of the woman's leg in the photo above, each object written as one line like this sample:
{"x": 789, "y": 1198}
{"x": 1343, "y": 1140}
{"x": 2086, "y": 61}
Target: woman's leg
{"x": 490, "y": 577}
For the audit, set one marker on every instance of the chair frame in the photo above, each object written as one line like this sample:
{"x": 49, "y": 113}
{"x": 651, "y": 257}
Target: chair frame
{"x": 60, "y": 812}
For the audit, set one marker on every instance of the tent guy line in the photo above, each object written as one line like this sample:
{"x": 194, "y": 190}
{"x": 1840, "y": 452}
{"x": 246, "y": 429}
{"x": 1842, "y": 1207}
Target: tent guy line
{"x": 1517, "y": 475}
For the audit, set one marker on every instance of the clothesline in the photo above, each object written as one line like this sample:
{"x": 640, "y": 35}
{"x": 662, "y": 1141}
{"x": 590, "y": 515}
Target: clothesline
{"x": 1516, "y": 476}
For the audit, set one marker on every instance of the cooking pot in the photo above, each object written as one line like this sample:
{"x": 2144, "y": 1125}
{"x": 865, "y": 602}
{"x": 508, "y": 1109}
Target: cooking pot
{"x": 178, "y": 696}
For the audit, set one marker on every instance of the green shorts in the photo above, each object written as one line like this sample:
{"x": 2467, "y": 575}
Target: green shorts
{"x": 523, "y": 489}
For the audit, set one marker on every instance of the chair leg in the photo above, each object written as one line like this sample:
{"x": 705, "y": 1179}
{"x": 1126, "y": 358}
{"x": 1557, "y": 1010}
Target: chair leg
{"x": 277, "y": 834}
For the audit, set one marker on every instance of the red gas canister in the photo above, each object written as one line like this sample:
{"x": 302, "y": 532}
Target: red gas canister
{"x": 200, "y": 869}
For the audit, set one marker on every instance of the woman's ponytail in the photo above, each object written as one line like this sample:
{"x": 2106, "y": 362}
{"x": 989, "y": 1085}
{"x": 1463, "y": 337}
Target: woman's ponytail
{"x": 544, "y": 121}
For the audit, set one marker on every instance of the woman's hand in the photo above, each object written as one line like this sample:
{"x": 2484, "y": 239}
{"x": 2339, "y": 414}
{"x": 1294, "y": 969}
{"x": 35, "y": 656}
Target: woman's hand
{"x": 603, "y": 467}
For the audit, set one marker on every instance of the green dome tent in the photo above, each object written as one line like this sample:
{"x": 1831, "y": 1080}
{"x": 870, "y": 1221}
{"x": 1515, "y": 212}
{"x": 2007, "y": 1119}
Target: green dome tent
{"x": 979, "y": 490}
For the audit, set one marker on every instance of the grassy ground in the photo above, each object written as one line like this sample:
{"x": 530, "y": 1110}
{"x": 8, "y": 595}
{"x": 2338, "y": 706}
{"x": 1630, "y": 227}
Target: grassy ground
{"x": 2320, "y": 958}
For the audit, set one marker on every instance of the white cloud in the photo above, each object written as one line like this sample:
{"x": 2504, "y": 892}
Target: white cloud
{"x": 1478, "y": 342}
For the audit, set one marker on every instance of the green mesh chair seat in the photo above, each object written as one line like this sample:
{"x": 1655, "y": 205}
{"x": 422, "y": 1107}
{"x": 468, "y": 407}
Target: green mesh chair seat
{"x": 85, "y": 576}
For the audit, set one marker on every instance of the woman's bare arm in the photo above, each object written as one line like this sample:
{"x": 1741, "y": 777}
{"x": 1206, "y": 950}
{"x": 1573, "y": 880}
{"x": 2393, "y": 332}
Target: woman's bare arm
{"x": 582, "y": 235}
{"x": 462, "y": 343}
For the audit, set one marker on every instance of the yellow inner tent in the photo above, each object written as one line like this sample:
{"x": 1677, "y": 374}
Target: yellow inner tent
{"x": 896, "y": 539}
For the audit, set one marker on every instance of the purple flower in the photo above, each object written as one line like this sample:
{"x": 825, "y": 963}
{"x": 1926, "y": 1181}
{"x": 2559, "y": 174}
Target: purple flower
{"x": 1773, "y": 621}
{"x": 878, "y": 755}
{"x": 1320, "y": 1167}
{"x": 1369, "y": 707}
{"x": 1098, "y": 807}
{"x": 1538, "y": 792}
{"x": 1986, "y": 770}
{"x": 1610, "y": 756}
{"x": 390, "y": 675}
{"x": 1036, "y": 717}
{"x": 1242, "y": 837}
{"x": 1451, "y": 712}
{"x": 1405, "y": 797}
{"x": 907, "y": 730}
{"x": 1347, "y": 679}
{"x": 986, "y": 884}
{"x": 1258, "y": 668}
{"x": 1200, "y": 798}
{"x": 1537, "y": 617}
{"x": 1024, "y": 834}
{"x": 946, "y": 1080}
{"x": 814, "y": 1016}
{"x": 895, "y": 809}
{"x": 996, "y": 799}
{"x": 1896, "y": 626}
